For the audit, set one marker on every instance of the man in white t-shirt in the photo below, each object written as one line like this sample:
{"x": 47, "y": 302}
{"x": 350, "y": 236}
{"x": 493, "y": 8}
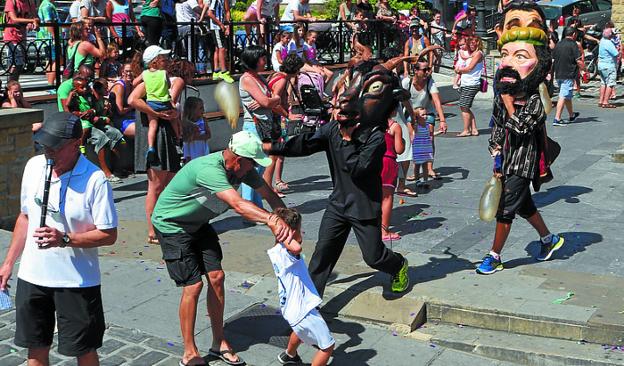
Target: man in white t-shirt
{"x": 94, "y": 9}
{"x": 298, "y": 297}
{"x": 59, "y": 270}
{"x": 296, "y": 11}
{"x": 186, "y": 12}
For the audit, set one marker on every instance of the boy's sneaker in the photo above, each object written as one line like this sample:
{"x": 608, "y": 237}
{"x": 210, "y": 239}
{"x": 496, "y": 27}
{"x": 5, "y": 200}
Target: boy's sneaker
{"x": 574, "y": 116}
{"x": 547, "y": 250}
{"x": 489, "y": 265}
{"x": 558, "y": 122}
{"x": 150, "y": 156}
{"x": 83, "y": 149}
{"x": 400, "y": 281}
{"x": 285, "y": 359}
{"x": 217, "y": 75}
{"x": 225, "y": 76}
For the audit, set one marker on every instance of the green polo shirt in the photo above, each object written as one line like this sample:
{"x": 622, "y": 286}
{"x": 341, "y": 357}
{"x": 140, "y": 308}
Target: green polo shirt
{"x": 63, "y": 92}
{"x": 189, "y": 200}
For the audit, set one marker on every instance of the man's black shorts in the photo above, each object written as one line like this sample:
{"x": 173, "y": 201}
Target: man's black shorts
{"x": 80, "y": 318}
{"x": 190, "y": 255}
{"x": 515, "y": 199}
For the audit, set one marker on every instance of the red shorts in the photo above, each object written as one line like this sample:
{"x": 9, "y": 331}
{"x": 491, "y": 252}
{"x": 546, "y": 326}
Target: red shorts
{"x": 389, "y": 172}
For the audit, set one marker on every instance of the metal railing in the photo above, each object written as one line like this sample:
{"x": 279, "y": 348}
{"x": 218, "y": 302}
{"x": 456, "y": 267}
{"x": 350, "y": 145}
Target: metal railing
{"x": 333, "y": 44}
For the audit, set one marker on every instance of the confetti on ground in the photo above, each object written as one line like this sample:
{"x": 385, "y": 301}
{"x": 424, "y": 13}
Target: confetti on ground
{"x": 13, "y": 351}
{"x": 158, "y": 280}
{"x": 563, "y": 299}
{"x": 394, "y": 333}
{"x": 432, "y": 345}
{"x": 141, "y": 253}
{"x": 278, "y": 312}
{"x": 123, "y": 241}
{"x": 170, "y": 344}
{"x": 412, "y": 314}
{"x": 263, "y": 306}
{"x": 160, "y": 267}
{"x": 246, "y": 284}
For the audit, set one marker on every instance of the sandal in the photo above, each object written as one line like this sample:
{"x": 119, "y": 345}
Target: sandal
{"x": 435, "y": 176}
{"x": 221, "y": 355}
{"x": 407, "y": 193}
{"x": 609, "y": 105}
{"x": 279, "y": 194}
{"x": 474, "y": 133}
{"x": 281, "y": 185}
{"x": 463, "y": 134}
{"x": 152, "y": 240}
{"x": 391, "y": 237}
{"x": 410, "y": 178}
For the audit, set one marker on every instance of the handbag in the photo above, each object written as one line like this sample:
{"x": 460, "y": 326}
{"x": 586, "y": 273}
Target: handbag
{"x": 549, "y": 154}
{"x": 483, "y": 81}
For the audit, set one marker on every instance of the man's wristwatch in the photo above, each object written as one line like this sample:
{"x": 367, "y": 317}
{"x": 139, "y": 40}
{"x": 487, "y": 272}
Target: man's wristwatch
{"x": 65, "y": 241}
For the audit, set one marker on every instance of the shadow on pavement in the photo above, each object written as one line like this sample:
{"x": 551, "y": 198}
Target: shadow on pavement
{"x": 568, "y": 194}
{"x": 138, "y": 186}
{"x": 312, "y": 206}
{"x": 312, "y": 183}
{"x": 575, "y": 242}
{"x": 412, "y": 219}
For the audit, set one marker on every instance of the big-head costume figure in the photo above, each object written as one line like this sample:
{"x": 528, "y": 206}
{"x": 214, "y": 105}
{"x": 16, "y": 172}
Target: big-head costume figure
{"x": 354, "y": 144}
{"x": 518, "y": 136}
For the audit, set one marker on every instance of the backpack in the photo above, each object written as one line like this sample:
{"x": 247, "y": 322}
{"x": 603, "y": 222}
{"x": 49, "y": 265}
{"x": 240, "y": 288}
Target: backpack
{"x": 70, "y": 68}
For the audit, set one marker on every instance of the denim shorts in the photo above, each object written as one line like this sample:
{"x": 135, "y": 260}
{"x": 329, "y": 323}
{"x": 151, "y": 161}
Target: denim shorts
{"x": 608, "y": 76}
{"x": 566, "y": 88}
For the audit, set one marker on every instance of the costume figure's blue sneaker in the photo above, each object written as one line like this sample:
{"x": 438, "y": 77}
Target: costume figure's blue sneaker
{"x": 489, "y": 265}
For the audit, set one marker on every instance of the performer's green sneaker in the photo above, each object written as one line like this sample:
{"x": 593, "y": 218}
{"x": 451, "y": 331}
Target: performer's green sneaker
{"x": 400, "y": 281}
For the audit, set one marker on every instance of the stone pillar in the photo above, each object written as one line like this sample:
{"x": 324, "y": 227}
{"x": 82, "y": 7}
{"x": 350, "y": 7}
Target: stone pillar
{"x": 617, "y": 13}
{"x": 16, "y": 147}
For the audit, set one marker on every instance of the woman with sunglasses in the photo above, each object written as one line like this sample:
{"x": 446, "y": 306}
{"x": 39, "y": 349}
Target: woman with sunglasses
{"x": 123, "y": 115}
{"x": 425, "y": 94}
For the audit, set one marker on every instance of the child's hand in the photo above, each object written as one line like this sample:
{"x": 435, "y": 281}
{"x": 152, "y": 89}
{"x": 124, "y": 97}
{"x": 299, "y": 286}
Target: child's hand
{"x": 293, "y": 247}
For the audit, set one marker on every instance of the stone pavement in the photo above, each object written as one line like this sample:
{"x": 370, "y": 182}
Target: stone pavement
{"x": 443, "y": 239}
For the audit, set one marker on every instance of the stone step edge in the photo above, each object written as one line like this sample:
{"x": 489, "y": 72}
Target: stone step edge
{"x": 408, "y": 314}
{"x": 592, "y": 332}
{"x": 518, "y": 354}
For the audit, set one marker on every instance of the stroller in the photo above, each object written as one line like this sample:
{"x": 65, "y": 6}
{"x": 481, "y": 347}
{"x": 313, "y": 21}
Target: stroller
{"x": 314, "y": 103}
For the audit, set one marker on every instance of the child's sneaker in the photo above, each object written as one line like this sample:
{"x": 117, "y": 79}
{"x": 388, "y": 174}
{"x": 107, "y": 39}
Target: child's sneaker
{"x": 217, "y": 75}
{"x": 490, "y": 265}
{"x": 558, "y": 122}
{"x": 83, "y": 149}
{"x": 285, "y": 359}
{"x": 225, "y": 76}
{"x": 150, "y": 156}
{"x": 547, "y": 249}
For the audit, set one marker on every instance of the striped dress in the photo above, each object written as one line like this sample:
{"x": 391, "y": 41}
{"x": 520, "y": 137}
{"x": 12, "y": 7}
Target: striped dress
{"x": 422, "y": 148}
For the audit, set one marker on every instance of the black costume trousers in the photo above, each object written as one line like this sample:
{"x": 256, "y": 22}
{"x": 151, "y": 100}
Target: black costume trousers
{"x": 333, "y": 234}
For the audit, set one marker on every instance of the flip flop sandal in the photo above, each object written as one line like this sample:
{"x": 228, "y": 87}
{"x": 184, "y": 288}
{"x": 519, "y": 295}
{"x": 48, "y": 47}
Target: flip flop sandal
{"x": 407, "y": 193}
{"x": 181, "y": 363}
{"x": 279, "y": 194}
{"x": 463, "y": 135}
{"x": 609, "y": 105}
{"x": 435, "y": 176}
{"x": 221, "y": 355}
{"x": 391, "y": 237}
{"x": 410, "y": 178}
{"x": 474, "y": 134}
{"x": 282, "y": 186}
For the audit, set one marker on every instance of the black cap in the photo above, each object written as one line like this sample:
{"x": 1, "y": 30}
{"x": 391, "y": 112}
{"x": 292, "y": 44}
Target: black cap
{"x": 58, "y": 129}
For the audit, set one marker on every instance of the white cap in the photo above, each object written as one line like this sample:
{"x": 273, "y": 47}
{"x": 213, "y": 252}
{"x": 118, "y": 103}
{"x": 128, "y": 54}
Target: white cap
{"x": 152, "y": 52}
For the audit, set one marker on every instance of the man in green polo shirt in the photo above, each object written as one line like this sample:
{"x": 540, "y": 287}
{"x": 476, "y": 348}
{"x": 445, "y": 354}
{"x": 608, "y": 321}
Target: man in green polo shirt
{"x": 202, "y": 190}
{"x": 84, "y": 71}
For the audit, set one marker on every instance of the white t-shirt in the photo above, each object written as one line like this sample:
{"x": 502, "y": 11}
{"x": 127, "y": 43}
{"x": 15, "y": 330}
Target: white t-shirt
{"x": 185, "y": 12}
{"x": 293, "y": 5}
{"x": 274, "y": 61}
{"x": 74, "y": 11}
{"x": 420, "y": 98}
{"x": 94, "y": 10}
{"x": 80, "y": 200}
{"x": 268, "y": 8}
{"x": 473, "y": 77}
{"x": 297, "y": 294}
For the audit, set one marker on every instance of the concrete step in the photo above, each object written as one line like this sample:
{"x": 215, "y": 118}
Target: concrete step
{"x": 522, "y": 349}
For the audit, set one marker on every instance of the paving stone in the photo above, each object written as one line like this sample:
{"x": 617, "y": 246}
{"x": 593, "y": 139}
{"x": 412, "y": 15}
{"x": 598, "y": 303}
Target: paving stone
{"x": 110, "y": 346}
{"x": 5, "y": 349}
{"x": 150, "y": 358}
{"x": 131, "y": 352}
{"x": 8, "y": 317}
{"x": 114, "y": 360}
{"x": 11, "y": 361}
{"x": 130, "y": 335}
{"x": 6, "y": 334}
{"x": 169, "y": 361}
{"x": 165, "y": 346}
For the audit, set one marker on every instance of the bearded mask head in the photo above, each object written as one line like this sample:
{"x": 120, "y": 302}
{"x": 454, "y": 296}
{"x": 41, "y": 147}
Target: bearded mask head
{"x": 525, "y": 56}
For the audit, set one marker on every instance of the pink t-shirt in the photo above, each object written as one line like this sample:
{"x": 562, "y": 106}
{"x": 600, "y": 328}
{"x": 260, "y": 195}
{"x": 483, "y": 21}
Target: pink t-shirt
{"x": 22, "y": 9}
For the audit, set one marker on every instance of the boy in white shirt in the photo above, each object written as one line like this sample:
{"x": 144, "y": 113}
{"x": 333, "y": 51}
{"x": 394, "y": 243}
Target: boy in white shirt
{"x": 298, "y": 297}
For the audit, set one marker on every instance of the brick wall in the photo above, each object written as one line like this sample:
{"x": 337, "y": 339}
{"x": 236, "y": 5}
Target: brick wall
{"x": 16, "y": 148}
{"x": 617, "y": 13}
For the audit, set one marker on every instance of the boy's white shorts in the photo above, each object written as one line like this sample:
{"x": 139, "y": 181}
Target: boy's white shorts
{"x": 313, "y": 330}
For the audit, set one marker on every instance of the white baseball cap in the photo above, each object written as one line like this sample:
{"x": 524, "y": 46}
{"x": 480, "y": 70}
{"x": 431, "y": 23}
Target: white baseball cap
{"x": 152, "y": 52}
